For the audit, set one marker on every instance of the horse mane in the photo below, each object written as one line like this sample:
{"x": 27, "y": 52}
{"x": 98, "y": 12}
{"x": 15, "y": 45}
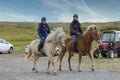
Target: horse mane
{"x": 51, "y": 36}
{"x": 60, "y": 31}
{"x": 91, "y": 27}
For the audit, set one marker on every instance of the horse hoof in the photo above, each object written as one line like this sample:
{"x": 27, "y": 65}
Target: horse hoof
{"x": 59, "y": 69}
{"x": 92, "y": 69}
{"x": 79, "y": 70}
{"x": 36, "y": 71}
{"x": 33, "y": 69}
{"x": 48, "y": 72}
{"x": 71, "y": 70}
{"x": 54, "y": 73}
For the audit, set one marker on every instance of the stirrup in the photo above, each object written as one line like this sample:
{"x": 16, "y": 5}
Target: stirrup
{"x": 72, "y": 54}
{"x": 39, "y": 52}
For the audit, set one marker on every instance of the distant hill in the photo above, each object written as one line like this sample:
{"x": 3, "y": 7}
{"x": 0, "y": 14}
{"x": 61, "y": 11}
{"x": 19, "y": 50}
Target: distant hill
{"x": 20, "y": 33}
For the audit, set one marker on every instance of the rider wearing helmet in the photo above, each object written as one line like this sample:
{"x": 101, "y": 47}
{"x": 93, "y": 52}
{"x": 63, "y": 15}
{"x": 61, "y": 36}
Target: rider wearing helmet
{"x": 75, "y": 32}
{"x": 43, "y": 31}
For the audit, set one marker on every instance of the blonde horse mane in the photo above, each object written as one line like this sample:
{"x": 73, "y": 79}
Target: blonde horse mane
{"x": 51, "y": 36}
{"x": 93, "y": 26}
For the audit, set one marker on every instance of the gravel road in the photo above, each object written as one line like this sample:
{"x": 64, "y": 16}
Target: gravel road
{"x": 13, "y": 67}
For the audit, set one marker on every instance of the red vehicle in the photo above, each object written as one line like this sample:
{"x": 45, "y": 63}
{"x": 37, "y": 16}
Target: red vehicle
{"x": 110, "y": 44}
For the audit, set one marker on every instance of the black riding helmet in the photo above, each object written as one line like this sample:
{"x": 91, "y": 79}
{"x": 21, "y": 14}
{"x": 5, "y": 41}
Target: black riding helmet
{"x": 75, "y": 15}
{"x": 43, "y": 19}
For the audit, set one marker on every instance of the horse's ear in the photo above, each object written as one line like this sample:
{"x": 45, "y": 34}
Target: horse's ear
{"x": 91, "y": 28}
{"x": 95, "y": 28}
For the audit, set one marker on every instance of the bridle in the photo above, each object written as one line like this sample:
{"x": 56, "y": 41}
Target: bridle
{"x": 59, "y": 40}
{"x": 95, "y": 34}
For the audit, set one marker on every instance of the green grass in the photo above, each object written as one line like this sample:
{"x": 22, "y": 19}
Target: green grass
{"x": 20, "y": 33}
{"x": 19, "y": 50}
{"x": 107, "y": 64}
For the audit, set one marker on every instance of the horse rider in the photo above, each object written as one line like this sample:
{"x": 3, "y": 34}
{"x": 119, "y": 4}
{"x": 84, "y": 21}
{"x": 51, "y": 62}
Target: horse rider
{"x": 75, "y": 32}
{"x": 43, "y": 31}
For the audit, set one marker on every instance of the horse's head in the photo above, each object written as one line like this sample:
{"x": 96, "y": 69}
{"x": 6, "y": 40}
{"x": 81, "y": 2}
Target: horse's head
{"x": 60, "y": 36}
{"x": 95, "y": 33}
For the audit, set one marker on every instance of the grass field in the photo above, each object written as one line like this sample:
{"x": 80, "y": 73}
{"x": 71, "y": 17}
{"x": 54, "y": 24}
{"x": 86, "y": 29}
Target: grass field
{"x": 20, "y": 33}
{"x": 112, "y": 65}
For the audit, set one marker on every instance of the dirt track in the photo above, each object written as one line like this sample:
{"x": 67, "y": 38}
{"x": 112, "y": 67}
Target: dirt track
{"x": 13, "y": 67}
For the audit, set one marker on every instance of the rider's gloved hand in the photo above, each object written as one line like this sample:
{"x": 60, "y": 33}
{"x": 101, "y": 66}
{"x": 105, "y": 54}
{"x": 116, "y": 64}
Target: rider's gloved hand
{"x": 78, "y": 33}
{"x": 43, "y": 38}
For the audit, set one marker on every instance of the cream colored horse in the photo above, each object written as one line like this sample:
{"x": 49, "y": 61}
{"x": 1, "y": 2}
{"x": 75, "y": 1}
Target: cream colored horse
{"x": 53, "y": 39}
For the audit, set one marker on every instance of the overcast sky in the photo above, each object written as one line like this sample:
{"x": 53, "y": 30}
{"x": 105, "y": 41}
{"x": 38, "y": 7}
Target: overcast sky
{"x": 60, "y": 10}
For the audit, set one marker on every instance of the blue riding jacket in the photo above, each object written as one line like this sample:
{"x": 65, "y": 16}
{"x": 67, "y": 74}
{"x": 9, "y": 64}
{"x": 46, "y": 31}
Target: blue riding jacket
{"x": 43, "y": 30}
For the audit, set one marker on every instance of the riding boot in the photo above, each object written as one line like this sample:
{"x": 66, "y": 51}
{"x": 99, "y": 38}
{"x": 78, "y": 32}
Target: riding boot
{"x": 40, "y": 48}
{"x": 39, "y": 52}
{"x": 73, "y": 49}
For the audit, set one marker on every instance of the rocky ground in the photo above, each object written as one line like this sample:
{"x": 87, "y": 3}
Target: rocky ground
{"x": 13, "y": 67}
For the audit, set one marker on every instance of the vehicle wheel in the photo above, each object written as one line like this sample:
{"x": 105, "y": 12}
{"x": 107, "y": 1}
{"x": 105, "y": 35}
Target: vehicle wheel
{"x": 10, "y": 50}
{"x": 118, "y": 55}
{"x": 103, "y": 54}
{"x": 96, "y": 53}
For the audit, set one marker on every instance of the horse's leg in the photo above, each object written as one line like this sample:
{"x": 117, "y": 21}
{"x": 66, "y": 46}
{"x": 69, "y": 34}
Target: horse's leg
{"x": 52, "y": 61}
{"x": 53, "y": 66}
{"x": 62, "y": 55}
{"x": 91, "y": 57}
{"x": 35, "y": 58}
{"x": 80, "y": 57}
{"x": 69, "y": 62}
{"x": 33, "y": 62}
{"x": 48, "y": 66}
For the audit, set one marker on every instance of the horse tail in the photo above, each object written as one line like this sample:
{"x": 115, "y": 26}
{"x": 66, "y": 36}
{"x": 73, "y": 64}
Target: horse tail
{"x": 62, "y": 53}
{"x": 29, "y": 54}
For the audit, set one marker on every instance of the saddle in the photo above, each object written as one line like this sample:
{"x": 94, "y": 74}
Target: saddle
{"x": 74, "y": 48}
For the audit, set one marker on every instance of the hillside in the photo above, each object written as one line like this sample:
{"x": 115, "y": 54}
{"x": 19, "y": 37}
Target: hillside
{"x": 20, "y": 33}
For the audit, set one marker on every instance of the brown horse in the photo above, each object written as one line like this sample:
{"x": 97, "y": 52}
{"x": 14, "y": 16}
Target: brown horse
{"x": 83, "y": 46}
